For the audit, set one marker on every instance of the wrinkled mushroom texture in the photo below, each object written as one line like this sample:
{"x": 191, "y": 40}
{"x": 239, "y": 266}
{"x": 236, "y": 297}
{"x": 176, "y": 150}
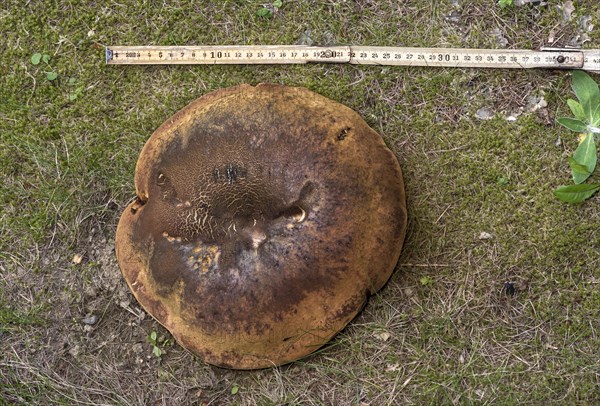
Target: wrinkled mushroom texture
{"x": 265, "y": 216}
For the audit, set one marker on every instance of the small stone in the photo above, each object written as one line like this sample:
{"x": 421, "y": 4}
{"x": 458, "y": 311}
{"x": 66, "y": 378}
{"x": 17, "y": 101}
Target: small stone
{"x": 453, "y": 17}
{"x": 74, "y": 351}
{"x": 567, "y": 9}
{"x": 327, "y": 39}
{"x": 500, "y": 39}
{"x": 485, "y": 236}
{"x": 535, "y": 103}
{"x": 586, "y": 23}
{"x": 383, "y": 336}
{"x": 512, "y": 117}
{"x": 90, "y": 320}
{"x": 558, "y": 142}
{"x": 77, "y": 258}
{"x": 305, "y": 39}
{"x": 484, "y": 113}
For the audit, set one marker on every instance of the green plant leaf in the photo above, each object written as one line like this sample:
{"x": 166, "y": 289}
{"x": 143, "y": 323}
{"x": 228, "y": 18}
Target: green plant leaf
{"x": 576, "y": 193}
{"x": 586, "y": 156}
{"x": 74, "y": 95}
{"x": 264, "y": 12}
{"x": 36, "y": 58}
{"x": 153, "y": 336}
{"x": 596, "y": 115}
{"x": 51, "y": 75}
{"x": 156, "y": 351}
{"x": 578, "y": 168}
{"x": 573, "y": 124}
{"x": 588, "y": 94}
{"x": 46, "y": 58}
{"x": 235, "y": 389}
{"x": 425, "y": 280}
{"x": 277, "y": 3}
{"x": 576, "y": 109}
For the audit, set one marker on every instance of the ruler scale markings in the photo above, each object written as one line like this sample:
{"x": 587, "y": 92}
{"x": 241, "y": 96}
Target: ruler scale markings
{"x": 462, "y": 57}
{"x": 551, "y": 58}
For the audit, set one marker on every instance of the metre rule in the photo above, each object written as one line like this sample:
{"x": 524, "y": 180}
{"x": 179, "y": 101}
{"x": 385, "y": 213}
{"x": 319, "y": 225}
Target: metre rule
{"x": 550, "y": 58}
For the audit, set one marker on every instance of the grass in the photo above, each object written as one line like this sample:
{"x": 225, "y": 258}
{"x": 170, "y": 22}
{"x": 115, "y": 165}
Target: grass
{"x": 67, "y": 169}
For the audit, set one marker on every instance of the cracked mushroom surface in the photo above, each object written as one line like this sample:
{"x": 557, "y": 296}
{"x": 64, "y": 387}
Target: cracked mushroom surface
{"x": 265, "y": 217}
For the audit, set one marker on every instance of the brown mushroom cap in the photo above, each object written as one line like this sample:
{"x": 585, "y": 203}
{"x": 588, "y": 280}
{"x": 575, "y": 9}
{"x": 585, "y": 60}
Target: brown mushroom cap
{"x": 265, "y": 218}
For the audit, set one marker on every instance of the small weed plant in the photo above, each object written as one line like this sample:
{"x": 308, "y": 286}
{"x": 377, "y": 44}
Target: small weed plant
{"x": 505, "y": 3}
{"x": 587, "y": 123}
{"x": 37, "y": 58}
{"x": 267, "y": 10}
{"x": 152, "y": 339}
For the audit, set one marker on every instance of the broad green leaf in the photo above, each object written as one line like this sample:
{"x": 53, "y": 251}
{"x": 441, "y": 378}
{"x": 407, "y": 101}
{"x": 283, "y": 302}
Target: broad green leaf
{"x": 36, "y": 58}
{"x": 157, "y": 351}
{"x": 578, "y": 168}
{"x": 585, "y": 155}
{"x": 588, "y": 94}
{"x": 576, "y": 193}
{"x": 596, "y": 115}
{"x": 264, "y": 12}
{"x": 573, "y": 124}
{"x": 235, "y": 389}
{"x": 277, "y": 3}
{"x": 577, "y": 110}
{"x": 51, "y": 75}
{"x": 153, "y": 336}
{"x": 46, "y": 58}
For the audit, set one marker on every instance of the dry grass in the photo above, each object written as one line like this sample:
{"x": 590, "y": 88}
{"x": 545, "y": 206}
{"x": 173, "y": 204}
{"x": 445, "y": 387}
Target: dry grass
{"x": 444, "y": 330}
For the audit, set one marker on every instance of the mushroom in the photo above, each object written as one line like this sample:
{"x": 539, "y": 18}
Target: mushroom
{"x": 265, "y": 217}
